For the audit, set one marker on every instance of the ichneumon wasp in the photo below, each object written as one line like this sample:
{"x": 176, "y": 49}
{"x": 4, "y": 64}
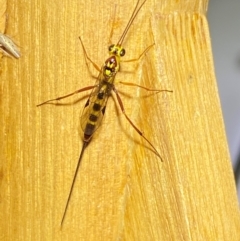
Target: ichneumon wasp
{"x": 95, "y": 106}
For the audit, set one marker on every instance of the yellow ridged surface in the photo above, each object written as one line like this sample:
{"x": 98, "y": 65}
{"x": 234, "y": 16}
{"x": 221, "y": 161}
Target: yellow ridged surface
{"x": 3, "y": 6}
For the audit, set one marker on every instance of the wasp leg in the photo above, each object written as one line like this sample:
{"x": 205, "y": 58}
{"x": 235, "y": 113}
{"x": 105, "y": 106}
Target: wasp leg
{"x": 88, "y": 58}
{"x": 65, "y": 96}
{"x": 135, "y": 127}
{"x": 139, "y": 57}
{"x": 143, "y": 87}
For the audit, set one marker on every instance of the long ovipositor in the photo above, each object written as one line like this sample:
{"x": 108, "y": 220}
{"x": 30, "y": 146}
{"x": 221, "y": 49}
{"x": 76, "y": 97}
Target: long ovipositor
{"x": 8, "y": 46}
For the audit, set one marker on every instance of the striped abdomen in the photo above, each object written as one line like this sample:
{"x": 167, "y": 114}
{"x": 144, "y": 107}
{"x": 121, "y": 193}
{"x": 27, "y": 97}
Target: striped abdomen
{"x": 94, "y": 109}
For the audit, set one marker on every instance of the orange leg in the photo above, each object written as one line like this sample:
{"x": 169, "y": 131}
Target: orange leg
{"x": 65, "y": 96}
{"x": 88, "y": 58}
{"x": 139, "y": 57}
{"x": 135, "y": 127}
{"x": 112, "y": 28}
{"x": 143, "y": 87}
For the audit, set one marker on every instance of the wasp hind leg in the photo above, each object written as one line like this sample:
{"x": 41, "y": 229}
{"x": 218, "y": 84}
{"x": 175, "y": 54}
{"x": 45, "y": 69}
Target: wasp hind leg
{"x": 133, "y": 125}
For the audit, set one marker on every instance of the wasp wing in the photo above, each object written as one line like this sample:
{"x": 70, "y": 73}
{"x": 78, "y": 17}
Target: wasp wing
{"x": 94, "y": 108}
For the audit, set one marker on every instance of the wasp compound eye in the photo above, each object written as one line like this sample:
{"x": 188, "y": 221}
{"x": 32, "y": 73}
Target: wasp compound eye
{"x": 122, "y": 53}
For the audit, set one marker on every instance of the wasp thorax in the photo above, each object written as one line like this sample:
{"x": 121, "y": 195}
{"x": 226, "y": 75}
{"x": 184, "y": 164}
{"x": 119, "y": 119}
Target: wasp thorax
{"x": 111, "y": 62}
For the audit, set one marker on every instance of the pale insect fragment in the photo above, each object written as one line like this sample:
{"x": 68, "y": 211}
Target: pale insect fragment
{"x": 8, "y": 47}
